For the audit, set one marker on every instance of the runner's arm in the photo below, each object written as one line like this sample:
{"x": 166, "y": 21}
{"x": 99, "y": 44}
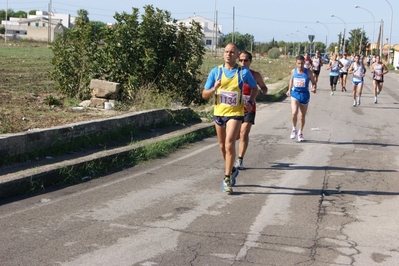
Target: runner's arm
{"x": 288, "y": 93}
{"x": 350, "y": 70}
{"x": 384, "y": 69}
{"x": 261, "y": 83}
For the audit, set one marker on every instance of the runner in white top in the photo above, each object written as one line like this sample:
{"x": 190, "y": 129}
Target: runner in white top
{"x": 378, "y": 69}
{"x": 317, "y": 63}
{"x": 358, "y": 70}
{"x": 343, "y": 72}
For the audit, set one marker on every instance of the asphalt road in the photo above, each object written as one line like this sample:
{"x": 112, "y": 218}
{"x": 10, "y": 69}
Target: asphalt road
{"x": 332, "y": 200}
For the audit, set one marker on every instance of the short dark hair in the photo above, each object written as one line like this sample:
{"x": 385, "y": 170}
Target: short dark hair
{"x": 247, "y": 53}
{"x": 300, "y": 57}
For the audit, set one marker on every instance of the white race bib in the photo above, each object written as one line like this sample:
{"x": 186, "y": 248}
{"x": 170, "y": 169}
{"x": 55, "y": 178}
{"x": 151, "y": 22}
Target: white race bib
{"x": 299, "y": 82}
{"x": 228, "y": 98}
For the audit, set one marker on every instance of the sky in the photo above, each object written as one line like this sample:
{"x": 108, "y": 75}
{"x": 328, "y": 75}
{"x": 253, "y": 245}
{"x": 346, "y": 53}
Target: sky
{"x": 281, "y": 20}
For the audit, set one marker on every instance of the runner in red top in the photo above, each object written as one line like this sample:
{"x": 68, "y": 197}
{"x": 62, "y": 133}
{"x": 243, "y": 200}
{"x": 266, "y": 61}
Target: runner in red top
{"x": 308, "y": 61}
{"x": 245, "y": 59}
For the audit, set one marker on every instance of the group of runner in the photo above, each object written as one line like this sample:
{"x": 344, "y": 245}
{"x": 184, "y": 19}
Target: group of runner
{"x": 235, "y": 87}
{"x": 341, "y": 66}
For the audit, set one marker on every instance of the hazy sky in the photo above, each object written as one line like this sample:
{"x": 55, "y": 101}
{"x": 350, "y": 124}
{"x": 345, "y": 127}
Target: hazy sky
{"x": 265, "y": 19}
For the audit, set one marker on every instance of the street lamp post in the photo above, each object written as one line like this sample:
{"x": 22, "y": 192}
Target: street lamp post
{"x": 328, "y": 32}
{"x": 343, "y": 39}
{"x": 293, "y": 44}
{"x": 311, "y": 41}
{"x": 310, "y": 29}
{"x": 306, "y": 38}
{"x": 299, "y": 42}
{"x": 390, "y": 33}
{"x": 356, "y": 6}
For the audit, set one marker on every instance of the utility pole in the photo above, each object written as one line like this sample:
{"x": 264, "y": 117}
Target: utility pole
{"x": 49, "y": 21}
{"x": 234, "y": 33}
{"x": 214, "y": 35}
{"x": 217, "y": 34}
{"x": 5, "y": 31}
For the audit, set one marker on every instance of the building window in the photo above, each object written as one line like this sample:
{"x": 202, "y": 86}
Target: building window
{"x": 208, "y": 42}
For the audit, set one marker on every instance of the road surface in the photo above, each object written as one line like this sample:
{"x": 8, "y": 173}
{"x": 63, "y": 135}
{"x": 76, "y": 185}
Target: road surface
{"x": 332, "y": 200}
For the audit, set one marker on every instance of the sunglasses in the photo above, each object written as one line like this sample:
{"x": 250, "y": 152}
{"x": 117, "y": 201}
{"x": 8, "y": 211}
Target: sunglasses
{"x": 244, "y": 60}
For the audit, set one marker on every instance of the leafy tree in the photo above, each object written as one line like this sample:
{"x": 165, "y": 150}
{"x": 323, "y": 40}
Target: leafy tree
{"x": 274, "y": 53}
{"x": 10, "y": 13}
{"x": 98, "y": 26}
{"x": 357, "y": 41}
{"x": 151, "y": 51}
{"x": 32, "y": 12}
{"x": 320, "y": 46}
{"x": 243, "y": 41}
{"x": 171, "y": 62}
{"x": 76, "y": 57}
{"x": 331, "y": 47}
{"x": 83, "y": 15}
{"x": 20, "y": 14}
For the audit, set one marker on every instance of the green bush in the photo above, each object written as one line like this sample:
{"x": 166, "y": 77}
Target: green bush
{"x": 137, "y": 52}
{"x": 390, "y": 67}
{"x": 274, "y": 53}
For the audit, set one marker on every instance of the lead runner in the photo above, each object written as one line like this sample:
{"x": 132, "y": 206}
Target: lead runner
{"x": 225, "y": 83}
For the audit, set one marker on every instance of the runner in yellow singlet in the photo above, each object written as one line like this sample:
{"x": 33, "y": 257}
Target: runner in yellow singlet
{"x": 226, "y": 83}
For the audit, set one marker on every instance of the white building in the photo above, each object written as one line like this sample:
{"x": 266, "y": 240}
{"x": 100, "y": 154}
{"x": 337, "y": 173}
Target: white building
{"x": 395, "y": 61}
{"x": 211, "y": 36}
{"x": 39, "y": 27}
{"x": 66, "y": 19}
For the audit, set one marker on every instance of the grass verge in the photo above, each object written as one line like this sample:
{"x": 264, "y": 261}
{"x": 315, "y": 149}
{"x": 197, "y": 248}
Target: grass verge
{"x": 104, "y": 165}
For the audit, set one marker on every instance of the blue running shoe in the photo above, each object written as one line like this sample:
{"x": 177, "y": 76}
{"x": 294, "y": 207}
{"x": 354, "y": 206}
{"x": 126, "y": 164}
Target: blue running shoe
{"x": 226, "y": 186}
{"x": 233, "y": 176}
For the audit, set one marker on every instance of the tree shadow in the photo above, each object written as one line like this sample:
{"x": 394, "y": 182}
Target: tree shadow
{"x": 310, "y": 192}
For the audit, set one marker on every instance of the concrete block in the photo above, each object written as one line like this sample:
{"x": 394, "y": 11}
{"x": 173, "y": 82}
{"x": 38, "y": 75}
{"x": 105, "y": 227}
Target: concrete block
{"x": 104, "y": 89}
{"x": 97, "y": 102}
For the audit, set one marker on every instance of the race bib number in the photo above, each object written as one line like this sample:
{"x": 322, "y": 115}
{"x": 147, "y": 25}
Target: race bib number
{"x": 378, "y": 74}
{"x": 335, "y": 67}
{"x": 228, "y": 98}
{"x": 358, "y": 73}
{"x": 299, "y": 82}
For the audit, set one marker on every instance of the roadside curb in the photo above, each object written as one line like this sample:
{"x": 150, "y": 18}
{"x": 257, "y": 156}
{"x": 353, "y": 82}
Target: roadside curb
{"x": 64, "y": 172}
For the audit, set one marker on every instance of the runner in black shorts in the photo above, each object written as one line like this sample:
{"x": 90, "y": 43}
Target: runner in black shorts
{"x": 245, "y": 59}
{"x": 378, "y": 69}
{"x": 317, "y": 63}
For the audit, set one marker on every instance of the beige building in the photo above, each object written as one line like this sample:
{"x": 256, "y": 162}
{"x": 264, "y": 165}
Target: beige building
{"x": 39, "y": 27}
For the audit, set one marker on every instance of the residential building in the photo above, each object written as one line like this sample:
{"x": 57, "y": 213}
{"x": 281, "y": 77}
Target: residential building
{"x": 212, "y": 31}
{"x": 39, "y": 27}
